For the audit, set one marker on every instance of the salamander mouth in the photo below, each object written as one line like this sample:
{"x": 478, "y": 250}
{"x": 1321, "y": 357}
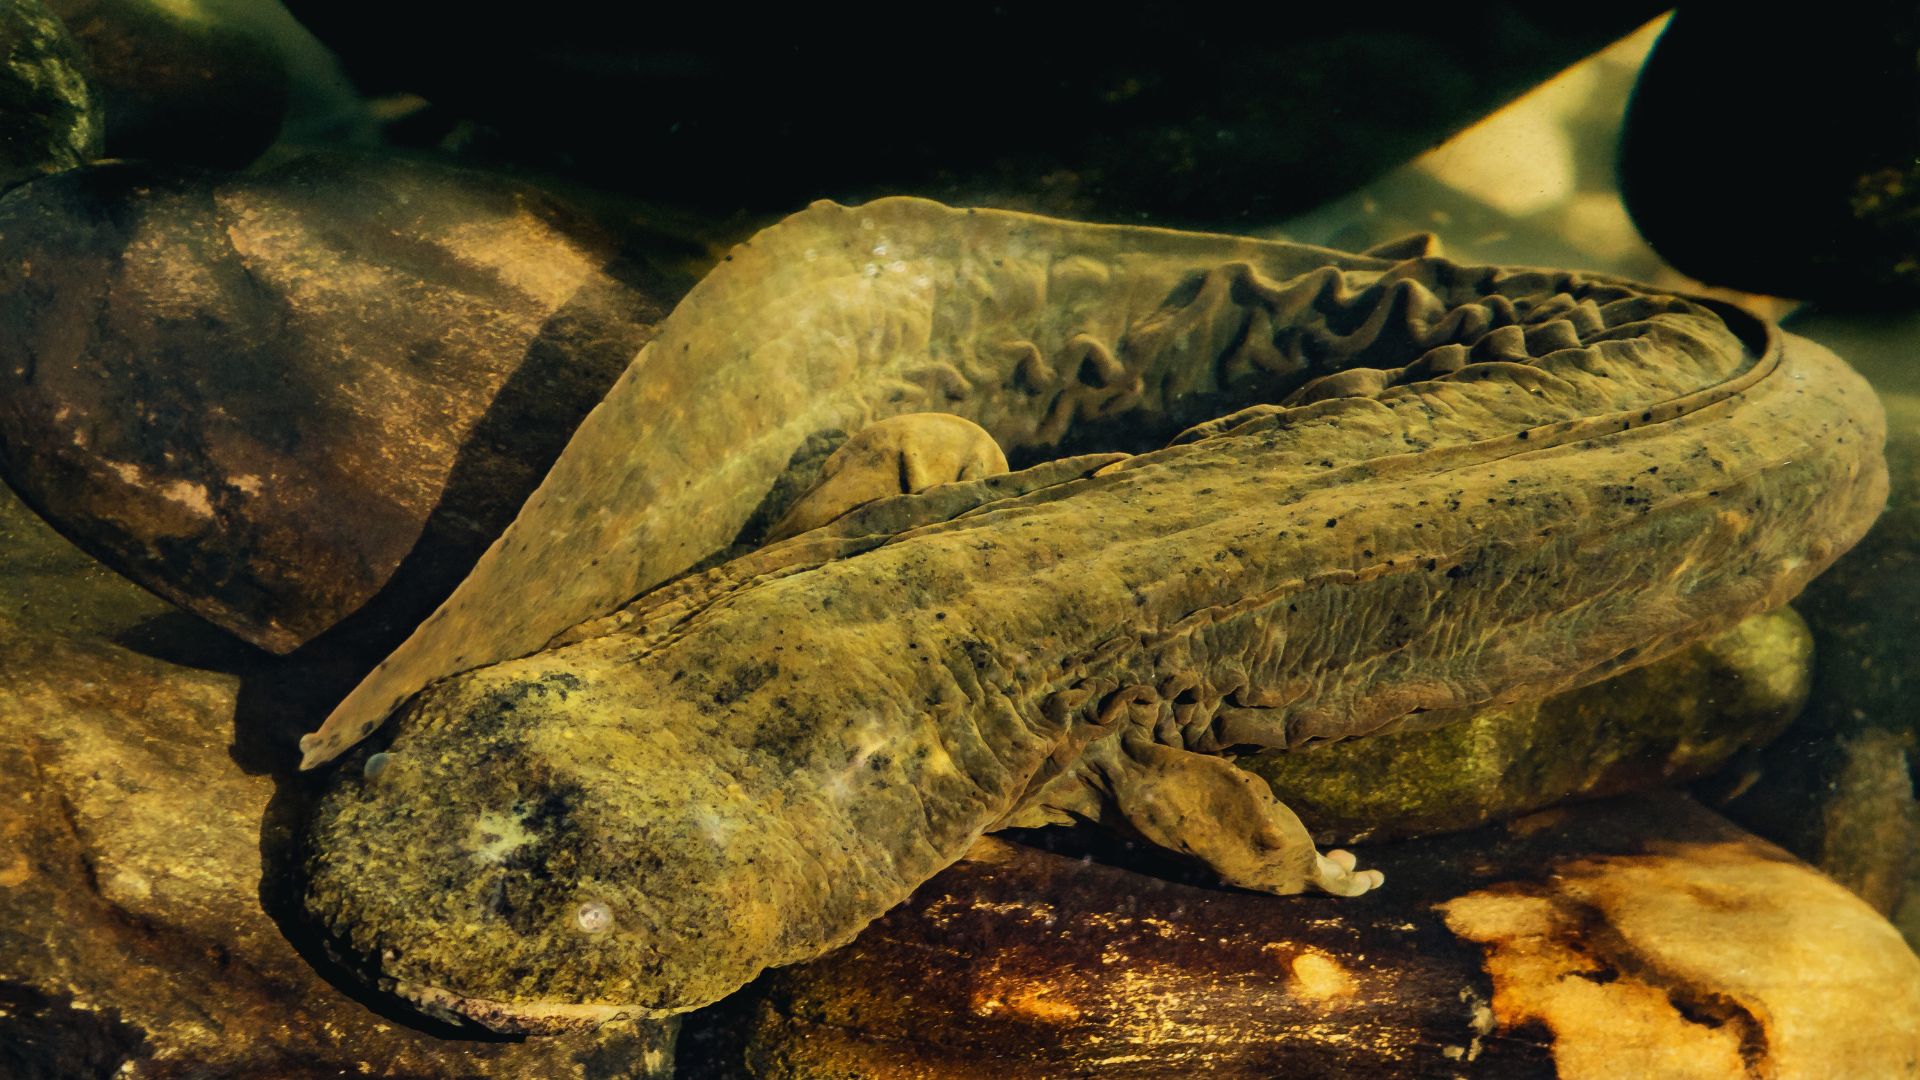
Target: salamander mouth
{"x": 517, "y": 1018}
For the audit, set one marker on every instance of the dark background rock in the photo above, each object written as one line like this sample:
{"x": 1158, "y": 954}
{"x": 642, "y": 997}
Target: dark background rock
{"x": 49, "y": 113}
{"x": 260, "y": 396}
{"x": 1838, "y": 789}
{"x": 1778, "y": 155}
{"x": 1102, "y": 110}
{"x": 178, "y": 83}
{"x": 1636, "y": 937}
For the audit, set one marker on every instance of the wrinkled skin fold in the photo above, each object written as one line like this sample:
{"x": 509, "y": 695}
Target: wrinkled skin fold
{"x": 1472, "y": 485}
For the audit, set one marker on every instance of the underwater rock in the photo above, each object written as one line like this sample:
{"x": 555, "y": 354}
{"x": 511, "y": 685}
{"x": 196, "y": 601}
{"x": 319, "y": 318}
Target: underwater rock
{"x": 1838, "y": 788}
{"x": 132, "y": 880}
{"x": 1633, "y": 937}
{"x": 1050, "y": 107}
{"x": 259, "y": 396}
{"x": 1838, "y": 216}
{"x": 1412, "y": 489}
{"x": 178, "y": 80}
{"x": 54, "y": 587}
{"x": 1674, "y": 720}
{"x": 49, "y": 113}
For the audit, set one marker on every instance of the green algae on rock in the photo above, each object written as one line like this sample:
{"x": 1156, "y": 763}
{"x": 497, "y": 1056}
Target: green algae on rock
{"x": 49, "y": 114}
{"x": 1482, "y": 486}
{"x": 1671, "y": 721}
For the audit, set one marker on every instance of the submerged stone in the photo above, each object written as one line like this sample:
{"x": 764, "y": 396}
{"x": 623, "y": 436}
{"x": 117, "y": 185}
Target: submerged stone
{"x": 1634, "y": 937}
{"x": 179, "y": 80}
{"x": 50, "y": 117}
{"x": 1672, "y": 721}
{"x": 260, "y": 396}
{"x": 1838, "y": 218}
{"x": 1054, "y": 107}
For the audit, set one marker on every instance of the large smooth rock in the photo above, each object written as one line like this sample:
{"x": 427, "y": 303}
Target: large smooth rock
{"x": 139, "y": 925}
{"x": 1056, "y": 107}
{"x": 180, "y": 81}
{"x": 1674, "y": 720}
{"x": 1637, "y": 937}
{"x": 259, "y": 396}
{"x": 1827, "y": 108}
{"x": 49, "y": 114}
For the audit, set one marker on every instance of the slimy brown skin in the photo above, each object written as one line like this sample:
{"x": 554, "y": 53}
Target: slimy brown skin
{"x": 1039, "y": 331}
{"x": 1552, "y": 479}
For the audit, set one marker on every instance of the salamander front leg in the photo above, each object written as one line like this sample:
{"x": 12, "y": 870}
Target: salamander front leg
{"x": 1226, "y": 817}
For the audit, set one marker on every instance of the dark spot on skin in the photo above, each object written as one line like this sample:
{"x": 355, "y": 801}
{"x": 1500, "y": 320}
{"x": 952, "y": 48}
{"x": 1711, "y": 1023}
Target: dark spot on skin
{"x": 489, "y": 715}
{"x": 744, "y": 681}
{"x": 785, "y": 732}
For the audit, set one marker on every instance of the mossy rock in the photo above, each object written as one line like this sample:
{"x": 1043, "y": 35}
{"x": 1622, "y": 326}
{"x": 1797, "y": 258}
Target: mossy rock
{"x": 49, "y": 114}
{"x": 1674, "y": 720}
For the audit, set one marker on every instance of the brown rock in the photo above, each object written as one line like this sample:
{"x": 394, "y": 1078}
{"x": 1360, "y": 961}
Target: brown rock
{"x": 138, "y": 915}
{"x": 180, "y": 80}
{"x": 259, "y": 396}
{"x": 1636, "y": 937}
{"x": 48, "y": 584}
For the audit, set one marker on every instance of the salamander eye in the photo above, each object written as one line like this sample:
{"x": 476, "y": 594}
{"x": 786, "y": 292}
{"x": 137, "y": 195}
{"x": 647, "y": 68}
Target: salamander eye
{"x": 594, "y": 917}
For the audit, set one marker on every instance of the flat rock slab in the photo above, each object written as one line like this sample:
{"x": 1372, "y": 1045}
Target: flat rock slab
{"x": 1634, "y": 937}
{"x": 135, "y": 932}
{"x": 258, "y": 396}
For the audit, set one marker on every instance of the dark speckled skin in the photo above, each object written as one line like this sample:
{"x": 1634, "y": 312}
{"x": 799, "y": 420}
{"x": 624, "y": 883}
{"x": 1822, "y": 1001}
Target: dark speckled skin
{"x": 1553, "y": 478}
